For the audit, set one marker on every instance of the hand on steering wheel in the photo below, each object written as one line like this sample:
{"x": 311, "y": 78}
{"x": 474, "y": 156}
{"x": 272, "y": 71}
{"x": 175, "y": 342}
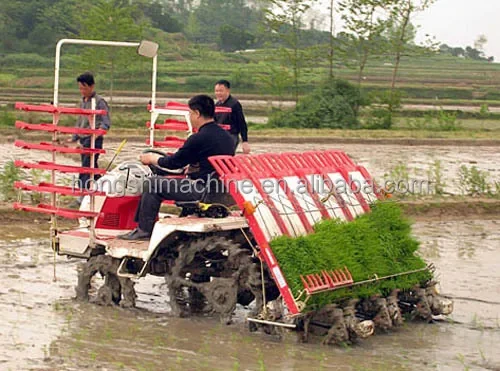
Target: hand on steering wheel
{"x": 158, "y": 170}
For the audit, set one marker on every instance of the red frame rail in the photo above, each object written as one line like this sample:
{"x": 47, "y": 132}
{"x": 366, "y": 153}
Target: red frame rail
{"x": 49, "y": 108}
{"x": 323, "y": 167}
{"x": 52, "y": 188}
{"x": 56, "y": 147}
{"x": 324, "y": 281}
{"x": 184, "y": 107}
{"x": 169, "y": 141}
{"x": 50, "y": 147}
{"x": 44, "y": 165}
{"x": 170, "y": 124}
{"x": 339, "y": 157}
{"x": 49, "y": 209}
{"x": 44, "y": 146}
{"x": 51, "y": 128}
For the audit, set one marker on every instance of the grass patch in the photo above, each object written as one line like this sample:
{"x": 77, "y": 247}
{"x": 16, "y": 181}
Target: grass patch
{"x": 7, "y": 119}
{"x": 377, "y": 243}
{"x": 462, "y": 124}
{"x": 6, "y": 79}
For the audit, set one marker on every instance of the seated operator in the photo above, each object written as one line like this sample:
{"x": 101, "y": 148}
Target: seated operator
{"x": 210, "y": 140}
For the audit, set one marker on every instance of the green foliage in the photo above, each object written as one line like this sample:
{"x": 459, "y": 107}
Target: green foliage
{"x": 332, "y": 105}
{"x": 380, "y": 118}
{"x": 401, "y": 33}
{"x": 447, "y": 121}
{"x": 284, "y": 19}
{"x": 241, "y": 79}
{"x": 435, "y": 177}
{"x": 233, "y": 38}
{"x": 38, "y": 176}
{"x": 201, "y": 83}
{"x": 205, "y": 21}
{"x": 277, "y": 80}
{"x": 35, "y": 26}
{"x": 382, "y": 109}
{"x": 8, "y": 176}
{"x": 484, "y": 111}
{"x": 475, "y": 53}
{"x": 364, "y": 29}
{"x": 474, "y": 182}
{"x": 7, "y": 79}
{"x": 441, "y": 120}
{"x": 7, "y": 118}
{"x": 459, "y": 114}
{"x": 26, "y": 60}
{"x": 109, "y": 20}
{"x": 161, "y": 14}
{"x": 398, "y": 180}
{"x": 377, "y": 243}
{"x": 32, "y": 27}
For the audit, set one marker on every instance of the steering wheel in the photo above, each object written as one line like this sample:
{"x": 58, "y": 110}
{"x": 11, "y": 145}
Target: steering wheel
{"x": 162, "y": 171}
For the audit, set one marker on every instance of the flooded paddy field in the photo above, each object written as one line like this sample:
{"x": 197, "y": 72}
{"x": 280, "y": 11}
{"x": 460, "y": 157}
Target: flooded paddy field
{"x": 384, "y": 162}
{"x": 42, "y": 327}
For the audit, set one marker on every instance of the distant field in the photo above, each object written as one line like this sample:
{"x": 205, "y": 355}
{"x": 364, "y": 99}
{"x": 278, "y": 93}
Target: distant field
{"x": 420, "y": 79}
{"x": 435, "y": 81}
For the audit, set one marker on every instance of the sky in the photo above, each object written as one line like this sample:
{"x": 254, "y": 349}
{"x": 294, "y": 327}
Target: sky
{"x": 453, "y": 22}
{"x": 460, "y": 22}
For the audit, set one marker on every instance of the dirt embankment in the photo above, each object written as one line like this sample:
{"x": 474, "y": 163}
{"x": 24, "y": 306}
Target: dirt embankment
{"x": 452, "y": 209}
{"x": 10, "y": 135}
{"x": 379, "y": 141}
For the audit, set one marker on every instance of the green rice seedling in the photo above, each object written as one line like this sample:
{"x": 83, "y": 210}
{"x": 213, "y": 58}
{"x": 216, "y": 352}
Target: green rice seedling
{"x": 376, "y": 244}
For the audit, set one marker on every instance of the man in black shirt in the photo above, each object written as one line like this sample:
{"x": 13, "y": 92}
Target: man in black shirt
{"x": 235, "y": 119}
{"x": 210, "y": 140}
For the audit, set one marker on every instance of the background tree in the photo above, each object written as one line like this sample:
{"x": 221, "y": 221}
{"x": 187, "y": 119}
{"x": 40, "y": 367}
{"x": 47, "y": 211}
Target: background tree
{"x": 109, "y": 20}
{"x": 276, "y": 81}
{"x": 285, "y": 20}
{"x": 332, "y": 37}
{"x": 162, "y": 14}
{"x": 8, "y": 40}
{"x": 473, "y": 53}
{"x": 403, "y": 32}
{"x": 458, "y": 52}
{"x": 365, "y": 21}
{"x": 206, "y": 20}
{"x": 233, "y": 38}
{"x": 332, "y": 104}
{"x": 479, "y": 44}
{"x": 35, "y": 26}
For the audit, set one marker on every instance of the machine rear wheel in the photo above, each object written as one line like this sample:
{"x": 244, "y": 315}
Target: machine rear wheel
{"x": 210, "y": 276}
{"x": 114, "y": 289}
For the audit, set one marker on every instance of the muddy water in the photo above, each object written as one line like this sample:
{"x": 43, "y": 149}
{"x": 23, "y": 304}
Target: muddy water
{"x": 43, "y": 328}
{"x": 380, "y": 160}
